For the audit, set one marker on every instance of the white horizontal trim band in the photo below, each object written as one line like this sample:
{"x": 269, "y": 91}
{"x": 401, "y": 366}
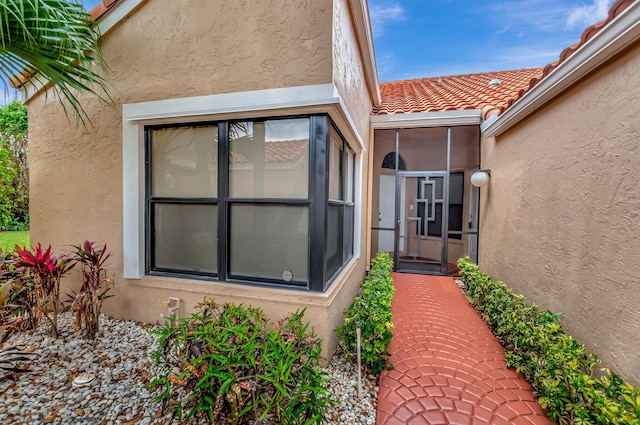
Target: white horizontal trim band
{"x": 427, "y": 119}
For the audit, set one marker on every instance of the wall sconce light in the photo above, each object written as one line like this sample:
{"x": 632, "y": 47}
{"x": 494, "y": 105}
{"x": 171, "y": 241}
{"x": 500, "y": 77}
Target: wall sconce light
{"x": 480, "y": 178}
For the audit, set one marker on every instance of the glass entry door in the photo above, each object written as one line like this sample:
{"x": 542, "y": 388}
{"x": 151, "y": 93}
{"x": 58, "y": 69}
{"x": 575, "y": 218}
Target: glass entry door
{"x": 423, "y": 211}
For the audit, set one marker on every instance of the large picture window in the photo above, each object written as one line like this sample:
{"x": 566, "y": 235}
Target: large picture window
{"x": 232, "y": 201}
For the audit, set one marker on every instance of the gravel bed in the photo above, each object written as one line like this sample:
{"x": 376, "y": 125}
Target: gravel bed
{"x": 119, "y": 360}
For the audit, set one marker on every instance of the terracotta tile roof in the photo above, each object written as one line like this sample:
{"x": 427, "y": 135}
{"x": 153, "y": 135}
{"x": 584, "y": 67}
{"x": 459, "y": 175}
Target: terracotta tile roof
{"x": 276, "y": 152}
{"x": 615, "y": 10}
{"x": 285, "y": 151}
{"x": 473, "y": 91}
{"x": 102, "y": 8}
{"x": 458, "y": 92}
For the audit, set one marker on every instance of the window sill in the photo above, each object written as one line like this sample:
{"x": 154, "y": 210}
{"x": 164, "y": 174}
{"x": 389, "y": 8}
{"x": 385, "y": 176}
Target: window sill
{"x": 248, "y": 291}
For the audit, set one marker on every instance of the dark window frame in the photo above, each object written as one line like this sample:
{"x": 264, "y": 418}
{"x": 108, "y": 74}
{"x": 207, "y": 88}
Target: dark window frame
{"x": 317, "y": 202}
{"x": 345, "y": 249}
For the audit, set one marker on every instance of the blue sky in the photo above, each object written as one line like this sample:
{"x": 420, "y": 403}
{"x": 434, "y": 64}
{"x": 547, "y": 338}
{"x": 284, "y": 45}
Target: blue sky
{"x": 425, "y": 38}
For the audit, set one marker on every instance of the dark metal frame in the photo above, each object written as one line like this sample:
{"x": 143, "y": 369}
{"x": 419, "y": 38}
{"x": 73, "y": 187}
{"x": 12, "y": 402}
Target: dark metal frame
{"x": 317, "y": 203}
{"x": 345, "y": 256}
{"x": 437, "y": 233}
{"x": 444, "y": 252}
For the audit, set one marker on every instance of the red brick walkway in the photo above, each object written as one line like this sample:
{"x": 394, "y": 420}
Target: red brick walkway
{"x": 449, "y": 368}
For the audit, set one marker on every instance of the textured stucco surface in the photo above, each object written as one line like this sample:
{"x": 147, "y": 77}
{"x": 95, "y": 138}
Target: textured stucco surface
{"x": 560, "y": 217}
{"x": 348, "y": 71}
{"x": 165, "y": 50}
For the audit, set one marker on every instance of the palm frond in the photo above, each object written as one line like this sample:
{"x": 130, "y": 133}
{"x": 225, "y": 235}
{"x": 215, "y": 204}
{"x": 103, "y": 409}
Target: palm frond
{"x": 53, "y": 42}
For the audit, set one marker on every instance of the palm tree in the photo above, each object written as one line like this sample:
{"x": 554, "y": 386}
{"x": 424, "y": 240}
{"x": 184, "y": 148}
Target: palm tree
{"x": 52, "y": 43}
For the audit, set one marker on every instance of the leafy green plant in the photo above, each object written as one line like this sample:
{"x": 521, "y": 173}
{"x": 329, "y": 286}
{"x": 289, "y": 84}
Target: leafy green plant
{"x": 14, "y": 167}
{"x": 87, "y": 302}
{"x": 234, "y": 370}
{"x": 44, "y": 271}
{"x": 53, "y": 41}
{"x": 7, "y": 175}
{"x": 561, "y": 371}
{"x": 371, "y": 311}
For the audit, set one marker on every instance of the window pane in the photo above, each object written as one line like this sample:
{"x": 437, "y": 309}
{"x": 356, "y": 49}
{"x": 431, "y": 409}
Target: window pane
{"x": 186, "y": 237}
{"x": 269, "y": 159}
{"x": 270, "y": 241}
{"x": 348, "y": 232}
{"x": 349, "y": 181}
{"x": 334, "y": 239}
{"x": 435, "y": 227}
{"x": 456, "y": 188}
{"x": 184, "y": 162}
{"x": 335, "y": 166}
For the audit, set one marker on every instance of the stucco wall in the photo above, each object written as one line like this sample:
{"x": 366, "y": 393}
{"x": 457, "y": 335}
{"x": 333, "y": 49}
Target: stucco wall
{"x": 560, "y": 216}
{"x": 348, "y": 77}
{"x": 165, "y": 50}
{"x": 348, "y": 71}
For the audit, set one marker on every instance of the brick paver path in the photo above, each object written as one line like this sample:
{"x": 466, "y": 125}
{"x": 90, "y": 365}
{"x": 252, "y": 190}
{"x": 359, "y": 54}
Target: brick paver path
{"x": 449, "y": 368}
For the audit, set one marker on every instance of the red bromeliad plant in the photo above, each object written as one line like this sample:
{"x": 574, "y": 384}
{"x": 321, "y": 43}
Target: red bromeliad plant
{"x": 45, "y": 271}
{"x": 95, "y": 285}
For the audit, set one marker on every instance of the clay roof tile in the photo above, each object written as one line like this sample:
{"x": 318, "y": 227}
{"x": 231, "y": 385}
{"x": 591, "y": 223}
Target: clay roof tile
{"x": 458, "y": 92}
{"x": 615, "y": 10}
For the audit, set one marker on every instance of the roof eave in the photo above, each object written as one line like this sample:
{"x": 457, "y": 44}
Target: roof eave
{"x": 427, "y": 119}
{"x": 364, "y": 36}
{"x": 620, "y": 33}
{"x": 108, "y": 17}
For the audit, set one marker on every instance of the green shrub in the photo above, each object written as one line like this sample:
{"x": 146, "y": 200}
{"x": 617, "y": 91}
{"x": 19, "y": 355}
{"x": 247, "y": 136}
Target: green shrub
{"x": 230, "y": 368}
{"x": 14, "y": 167}
{"x": 371, "y": 310}
{"x": 560, "y": 370}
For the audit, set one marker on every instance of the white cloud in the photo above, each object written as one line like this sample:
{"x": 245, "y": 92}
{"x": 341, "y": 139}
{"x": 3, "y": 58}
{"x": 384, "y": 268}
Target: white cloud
{"x": 538, "y": 15}
{"x": 588, "y": 14}
{"x": 382, "y": 14}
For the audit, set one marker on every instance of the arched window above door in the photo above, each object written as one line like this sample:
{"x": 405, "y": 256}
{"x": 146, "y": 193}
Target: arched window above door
{"x": 389, "y": 161}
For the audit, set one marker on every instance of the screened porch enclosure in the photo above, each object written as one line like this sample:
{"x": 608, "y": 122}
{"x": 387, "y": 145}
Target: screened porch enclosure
{"x": 425, "y": 211}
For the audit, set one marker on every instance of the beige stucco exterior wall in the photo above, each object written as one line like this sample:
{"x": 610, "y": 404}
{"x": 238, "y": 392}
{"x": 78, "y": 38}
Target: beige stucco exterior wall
{"x": 349, "y": 78}
{"x": 560, "y": 217}
{"x": 166, "y": 50}
{"x": 348, "y": 70}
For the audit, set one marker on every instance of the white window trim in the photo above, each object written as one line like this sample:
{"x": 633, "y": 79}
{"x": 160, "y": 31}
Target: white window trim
{"x": 427, "y": 119}
{"x": 323, "y": 98}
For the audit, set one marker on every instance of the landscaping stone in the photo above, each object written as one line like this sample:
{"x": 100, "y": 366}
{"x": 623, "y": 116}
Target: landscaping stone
{"x": 119, "y": 359}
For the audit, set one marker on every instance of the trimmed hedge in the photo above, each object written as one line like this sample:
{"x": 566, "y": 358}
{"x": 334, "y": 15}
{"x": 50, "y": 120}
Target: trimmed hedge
{"x": 559, "y": 368}
{"x": 372, "y": 311}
